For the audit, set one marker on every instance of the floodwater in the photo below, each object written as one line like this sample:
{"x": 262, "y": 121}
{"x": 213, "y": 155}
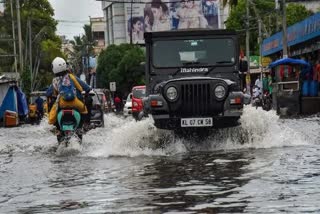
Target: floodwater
{"x": 266, "y": 165}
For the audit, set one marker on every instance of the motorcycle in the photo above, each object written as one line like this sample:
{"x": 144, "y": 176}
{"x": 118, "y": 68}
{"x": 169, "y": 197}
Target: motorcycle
{"x": 69, "y": 121}
{"x": 266, "y": 101}
{"x": 96, "y": 114}
{"x": 257, "y": 98}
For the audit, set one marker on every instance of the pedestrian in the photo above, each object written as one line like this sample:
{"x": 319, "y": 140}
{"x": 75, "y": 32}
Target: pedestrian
{"x": 248, "y": 83}
{"x": 117, "y": 102}
{"x": 264, "y": 83}
{"x": 39, "y": 102}
{"x": 316, "y": 74}
{"x": 258, "y": 83}
{"x": 270, "y": 84}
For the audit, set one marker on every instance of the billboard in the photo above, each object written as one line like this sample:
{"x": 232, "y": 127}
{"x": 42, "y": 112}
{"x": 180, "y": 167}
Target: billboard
{"x": 164, "y": 15}
{"x": 2, "y": 2}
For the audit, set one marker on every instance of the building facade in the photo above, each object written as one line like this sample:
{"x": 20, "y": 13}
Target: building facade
{"x": 303, "y": 40}
{"x": 126, "y": 22}
{"x": 98, "y": 31}
{"x": 313, "y": 5}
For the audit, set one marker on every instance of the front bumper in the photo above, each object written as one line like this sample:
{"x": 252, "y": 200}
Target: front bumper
{"x": 227, "y": 108}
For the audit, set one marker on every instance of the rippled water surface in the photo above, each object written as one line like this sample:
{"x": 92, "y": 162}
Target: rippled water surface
{"x": 266, "y": 165}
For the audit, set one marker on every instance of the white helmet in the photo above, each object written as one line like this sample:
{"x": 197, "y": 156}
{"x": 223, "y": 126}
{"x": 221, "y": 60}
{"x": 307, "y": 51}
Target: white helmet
{"x": 59, "y": 65}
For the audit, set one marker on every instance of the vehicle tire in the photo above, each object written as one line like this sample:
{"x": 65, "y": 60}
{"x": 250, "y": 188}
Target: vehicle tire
{"x": 159, "y": 124}
{"x": 228, "y": 122}
{"x": 102, "y": 123}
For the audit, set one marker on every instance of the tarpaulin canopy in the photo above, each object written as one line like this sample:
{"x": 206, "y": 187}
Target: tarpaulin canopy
{"x": 15, "y": 100}
{"x": 289, "y": 61}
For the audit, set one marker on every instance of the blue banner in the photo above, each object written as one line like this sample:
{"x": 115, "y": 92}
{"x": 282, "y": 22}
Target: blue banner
{"x": 297, "y": 33}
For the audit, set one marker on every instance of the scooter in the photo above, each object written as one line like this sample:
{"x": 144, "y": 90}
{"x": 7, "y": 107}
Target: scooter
{"x": 266, "y": 101}
{"x": 68, "y": 120}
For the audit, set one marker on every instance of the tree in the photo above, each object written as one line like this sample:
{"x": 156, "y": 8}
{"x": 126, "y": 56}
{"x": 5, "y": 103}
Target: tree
{"x": 265, "y": 10}
{"x": 121, "y": 64}
{"x": 43, "y": 27}
{"x": 83, "y": 47}
{"x": 231, "y": 3}
{"x": 297, "y": 13}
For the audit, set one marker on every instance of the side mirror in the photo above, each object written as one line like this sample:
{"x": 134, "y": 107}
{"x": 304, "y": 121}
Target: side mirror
{"x": 131, "y": 96}
{"x": 243, "y": 66}
{"x": 142, "y": 66}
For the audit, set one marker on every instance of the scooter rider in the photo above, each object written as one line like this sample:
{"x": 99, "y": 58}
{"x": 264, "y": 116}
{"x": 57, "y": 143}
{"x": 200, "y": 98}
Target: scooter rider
{"x": 65, "y": 80}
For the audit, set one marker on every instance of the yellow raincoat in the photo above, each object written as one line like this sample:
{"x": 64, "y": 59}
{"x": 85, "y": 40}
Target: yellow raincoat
{"x": 76, "y": 103}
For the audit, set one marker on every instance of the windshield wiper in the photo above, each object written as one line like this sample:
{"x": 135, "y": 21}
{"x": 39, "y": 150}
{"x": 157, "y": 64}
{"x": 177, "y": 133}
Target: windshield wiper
{"x": 210, "y": 69}
{"x": 224, "y": 62}
{"x": 191, "y": 63}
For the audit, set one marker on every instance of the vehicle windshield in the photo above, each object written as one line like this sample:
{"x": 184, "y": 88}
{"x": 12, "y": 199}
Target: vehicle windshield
{"x": 129, "y": 98}
{"x": 199, "y": 52}
{"x": 139, "y": 92}
{"x": 97, "y": 99}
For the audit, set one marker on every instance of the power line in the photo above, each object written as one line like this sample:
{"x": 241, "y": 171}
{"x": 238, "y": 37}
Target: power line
{"x": 72, "y": 21}
{"x": 140, "y": 2}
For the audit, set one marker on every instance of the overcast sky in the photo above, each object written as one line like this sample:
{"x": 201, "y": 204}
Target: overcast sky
{"x": 75, "y": 13}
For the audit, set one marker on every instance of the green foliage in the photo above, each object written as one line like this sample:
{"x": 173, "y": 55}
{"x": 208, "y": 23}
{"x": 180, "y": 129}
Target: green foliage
{"x": 83, "y": 45}
{"x": 297, "y": 13}
{"x": 232, "y": 3}
{"x": 50, "y": 50}
{"x": 26, "y": 82}
{"x": 45, "y": 43}
{"x": 265, "y": 9}
{"x": 121, "y": 64}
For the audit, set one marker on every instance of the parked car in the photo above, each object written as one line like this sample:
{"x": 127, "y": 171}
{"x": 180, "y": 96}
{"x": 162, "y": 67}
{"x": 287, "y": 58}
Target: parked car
{"x": 34, "y": 115}
{"x": 127, "y": 110}
{"x": 108, "y": 104}
{"x": 138, "y": 93}
{"x": 97, "y": 113}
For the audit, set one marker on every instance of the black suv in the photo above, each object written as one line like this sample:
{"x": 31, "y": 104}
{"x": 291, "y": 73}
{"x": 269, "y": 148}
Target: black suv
{"x": 193, "y": 78}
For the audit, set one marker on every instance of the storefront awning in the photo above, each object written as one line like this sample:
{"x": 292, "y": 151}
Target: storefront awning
{"x": 297, "y": 33}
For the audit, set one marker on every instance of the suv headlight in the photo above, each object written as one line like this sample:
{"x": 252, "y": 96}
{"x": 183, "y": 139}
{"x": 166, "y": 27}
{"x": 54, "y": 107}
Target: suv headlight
{"x": 220, "y": 92}
{"x": 172, "y": 93}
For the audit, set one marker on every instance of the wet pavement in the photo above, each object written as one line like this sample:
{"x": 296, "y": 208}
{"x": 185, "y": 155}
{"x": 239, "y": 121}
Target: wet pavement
{"x": 266, "y": 165}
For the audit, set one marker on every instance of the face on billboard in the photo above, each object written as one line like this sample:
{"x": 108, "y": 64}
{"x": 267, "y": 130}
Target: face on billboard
{"x": 137, "y": 26}
{"x": 1, "y": 9}
{"x": 156, "y": 12}
{"x": 210, "y": 2}
{"x": 161, "y": 15}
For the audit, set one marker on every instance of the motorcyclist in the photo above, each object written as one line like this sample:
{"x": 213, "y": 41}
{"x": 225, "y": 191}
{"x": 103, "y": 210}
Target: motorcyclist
{"x": 89, "y": 102}
{"x": 39, "y": 102}
{"x": 55, "y": 91}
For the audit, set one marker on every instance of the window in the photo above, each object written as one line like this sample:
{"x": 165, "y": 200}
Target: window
{"x": 198, "y": 52}
{"x": 139, "y": 93}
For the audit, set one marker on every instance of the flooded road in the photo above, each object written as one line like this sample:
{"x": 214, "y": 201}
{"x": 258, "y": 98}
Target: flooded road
{"x": 266, "y": 165}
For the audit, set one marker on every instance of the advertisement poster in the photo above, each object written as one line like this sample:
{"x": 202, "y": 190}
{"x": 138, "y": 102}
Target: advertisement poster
{"x": 158, "y": 15}
{"x": 135, "y": 22}
{"x": 2, "y": 8}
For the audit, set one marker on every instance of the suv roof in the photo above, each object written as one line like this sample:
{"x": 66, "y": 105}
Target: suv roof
{"x": 139, "y": 87}
{"x": 196, "y": 32}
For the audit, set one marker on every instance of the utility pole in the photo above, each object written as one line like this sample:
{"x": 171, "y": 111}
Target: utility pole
{"x": 260, "y": 49}
{"x": 277, "y": 7}
{"x": 131, "y": 22}
{"x": 19, "y": 35}
{"x": 14, "y": 40}
{"x": 247, "y": 35}
{"x": 30, "y": 53}
{"x": 284, "y": 30}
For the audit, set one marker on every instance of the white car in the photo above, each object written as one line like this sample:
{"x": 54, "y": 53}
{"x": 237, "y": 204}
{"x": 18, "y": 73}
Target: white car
{"x": 127, "y": 110}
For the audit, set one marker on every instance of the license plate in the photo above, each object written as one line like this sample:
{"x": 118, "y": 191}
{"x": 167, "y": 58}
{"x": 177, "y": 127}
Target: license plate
{"x": 196, "y": 122}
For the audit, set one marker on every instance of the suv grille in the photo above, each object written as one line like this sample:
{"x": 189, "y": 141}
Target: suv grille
{"x": 195, "y": 99}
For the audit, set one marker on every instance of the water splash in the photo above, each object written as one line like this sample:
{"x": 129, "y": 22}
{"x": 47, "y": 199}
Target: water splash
{"x": 258, "y": 129}
{"x": 126, "y": 137}
{"x": 72, "y": 148}
{"x": 27, "y": 138}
